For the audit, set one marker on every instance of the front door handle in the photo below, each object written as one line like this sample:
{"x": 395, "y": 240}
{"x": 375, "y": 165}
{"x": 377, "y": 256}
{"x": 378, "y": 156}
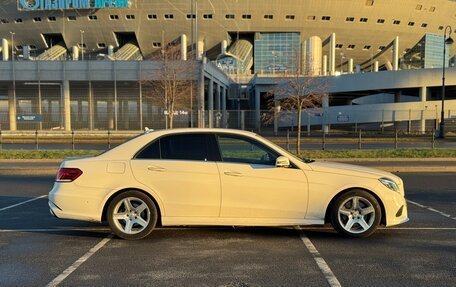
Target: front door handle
{"x": 233, "y": 173}
{"x": 156, "y": 168}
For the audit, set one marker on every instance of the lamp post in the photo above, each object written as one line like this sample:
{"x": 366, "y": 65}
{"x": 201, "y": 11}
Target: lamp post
{"x": 446, "y": 41}
{"x": 342, "y": 58}
{"x": 14, "y": 80}
{"x": 82, "y": 44}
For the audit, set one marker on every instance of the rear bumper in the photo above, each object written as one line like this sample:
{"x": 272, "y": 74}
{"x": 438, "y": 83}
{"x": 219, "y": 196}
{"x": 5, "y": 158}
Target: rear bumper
{"x": 68, "y": 201}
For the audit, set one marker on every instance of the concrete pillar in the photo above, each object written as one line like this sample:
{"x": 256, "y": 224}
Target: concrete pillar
{"x": 350, "y": 66}
{"x": 110, "y": 50}
{"x": 210, "y": 101}
{"x": 183, "y": 39}
{"x": 325, "y": 66}
{"x": 257, "y": 108}
{"x": 200, "y": 49}
{"x": 376, "y": 66}
{"x": 325, "y": 106}
{"x": 332, "y": 54}
{"x": 423, "y": 99}
{"x": 5, "y": 50}
{"x": 217, "y": 98}
{"x": 91, "y": 107}
{"x": 75, "y": 53}
{"x": 313, "y": 56}
{"x": 358, "y": 68}
{"x": 224, "y": 47}
{"x": 12, "y": 104}
{"x": 396, "y": 54}
{"x": 67, "y": 105}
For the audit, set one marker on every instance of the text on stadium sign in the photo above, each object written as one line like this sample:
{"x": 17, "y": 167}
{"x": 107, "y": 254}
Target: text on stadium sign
{"x": 31, "y": 5}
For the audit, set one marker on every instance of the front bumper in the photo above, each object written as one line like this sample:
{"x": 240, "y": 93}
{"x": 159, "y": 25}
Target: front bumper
{"x": 395, "y": 207}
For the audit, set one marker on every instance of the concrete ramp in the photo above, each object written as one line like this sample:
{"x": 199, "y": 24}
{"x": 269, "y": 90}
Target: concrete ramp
{"x": 55, "y": 53}
{"x": 128, "y": 52}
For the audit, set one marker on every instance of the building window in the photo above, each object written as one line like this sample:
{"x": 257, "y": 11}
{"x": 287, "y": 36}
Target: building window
{"x": 156, "y": 44}
{"x": 246, "y": 16}
{"x": 369, "y": 2}
{"x": 311, "y": 18}
{"x": 19, "y": 47}
{"x": 424, "y": 25}
{"x": 130, "y": 17}
{"x": 37, "y": 19}
{"x": 419, "y": 7}
{"x": 168, "y": 16}
{"x": 101, "y": 45}
{"x": 230, "y": 16}
{"x": 411, "y": 23}
{"x": 367, "y": 47}
{"x": 363, "y": 20}
{"x": 351, "y": 47}
{"x": 396, "y": 22}
{"x": 32, "y": 47}
{"x": 380, "y": 21}
{"x": 114, "y": 17}
{"x": 290, "y": 17}
{"x": 52, "y": 19}
{"x": 207, "y": 16}
{"x": 18, "y": 20}
{"x": 432, "y": 9}
{"x": 152, "y": 17}
{"x": 381, "y": 48}
{"x": 191, "y": 16}
{"x": 4, "y": 21}
{"x": 93, "y": 18}
{"x": 82, "y": 45}
{"x": 268, "y": 17}
{"x": 440, "y": 27}
{"x": 71, "y": 18}
{"x": 339, "y": 46}
{"x": 350, "y": 19}
{"x": 326, "y": 18}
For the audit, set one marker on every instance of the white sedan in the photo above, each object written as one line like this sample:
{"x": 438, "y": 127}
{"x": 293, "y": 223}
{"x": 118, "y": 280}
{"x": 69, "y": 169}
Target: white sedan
{"x": 221, "y": 177}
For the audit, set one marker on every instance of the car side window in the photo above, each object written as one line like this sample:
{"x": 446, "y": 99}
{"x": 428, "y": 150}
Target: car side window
{"x": 151, "y": 151}
{"x": 184, "y": 147}
{"x": 241, "y": 150}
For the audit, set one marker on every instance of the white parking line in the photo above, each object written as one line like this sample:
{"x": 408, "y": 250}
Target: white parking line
{"x": 329, "y": 275}
{"x": 78, "y": 262}
{"x": 431, "y": 209}
{"x": 23, "y": 202}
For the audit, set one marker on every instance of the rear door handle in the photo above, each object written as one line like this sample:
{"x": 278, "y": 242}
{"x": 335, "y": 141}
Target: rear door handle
{"x": 233, "y": 173}
{"x": 156, "y": 168}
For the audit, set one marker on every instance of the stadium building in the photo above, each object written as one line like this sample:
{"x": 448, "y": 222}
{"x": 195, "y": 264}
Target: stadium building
{"x": 81, "y": 64}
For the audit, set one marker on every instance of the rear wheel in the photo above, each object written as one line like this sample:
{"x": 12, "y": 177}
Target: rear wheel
{"x": 356, "y": 214}
{"x": 132, "y": 215}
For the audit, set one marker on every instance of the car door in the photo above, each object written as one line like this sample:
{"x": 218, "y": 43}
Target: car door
{"x": 253, "y": 187}
{"x": 177, "y": 167}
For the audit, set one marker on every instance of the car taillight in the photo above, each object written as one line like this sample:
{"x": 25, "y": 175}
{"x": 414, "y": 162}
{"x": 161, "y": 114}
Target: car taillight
{"x": 68, "y": 174}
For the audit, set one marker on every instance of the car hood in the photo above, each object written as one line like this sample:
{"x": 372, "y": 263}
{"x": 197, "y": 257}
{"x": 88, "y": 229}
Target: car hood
{"x": 351, "y": 170}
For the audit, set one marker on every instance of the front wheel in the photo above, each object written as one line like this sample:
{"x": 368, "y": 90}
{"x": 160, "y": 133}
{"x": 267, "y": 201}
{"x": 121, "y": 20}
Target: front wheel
{"x": 356, "y": 214}
{"x": 132, "y": 215}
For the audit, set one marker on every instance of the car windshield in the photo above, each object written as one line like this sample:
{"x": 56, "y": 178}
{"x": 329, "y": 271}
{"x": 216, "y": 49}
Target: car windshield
{"x": 287, "y": 152}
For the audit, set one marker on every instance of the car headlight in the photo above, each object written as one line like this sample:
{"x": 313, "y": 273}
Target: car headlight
{"x": 389, "y": 183}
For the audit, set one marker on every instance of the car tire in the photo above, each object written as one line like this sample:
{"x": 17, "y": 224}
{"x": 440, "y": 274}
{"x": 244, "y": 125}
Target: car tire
{"x": 356, "y": 213}
{"x": 132, "y": 215}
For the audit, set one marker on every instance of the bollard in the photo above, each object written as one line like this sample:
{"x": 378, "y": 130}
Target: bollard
{"x": 72, "y": 140}
{"x": 36, "y": 140}
{"x": 288, "y": 140}
{"x": 433, "y": 139}
{"x": 395, "y": 139}
{"x": 109, "y": 139}
{"x": 323, "y": 143}
{"x": 359, "y": 139}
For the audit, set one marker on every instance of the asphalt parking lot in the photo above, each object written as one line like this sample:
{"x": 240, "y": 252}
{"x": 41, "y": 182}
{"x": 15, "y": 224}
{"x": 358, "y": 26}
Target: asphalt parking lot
{"x": 37, "y": 249}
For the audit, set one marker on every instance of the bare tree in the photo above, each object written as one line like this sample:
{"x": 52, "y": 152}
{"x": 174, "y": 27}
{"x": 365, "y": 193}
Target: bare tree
{"x": 170, "y": 85}
{"x": 297, "y": 92}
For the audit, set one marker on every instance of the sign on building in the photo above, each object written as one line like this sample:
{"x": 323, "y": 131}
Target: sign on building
{"x": 31, "y": 118}
{"x": 35, "y": 5}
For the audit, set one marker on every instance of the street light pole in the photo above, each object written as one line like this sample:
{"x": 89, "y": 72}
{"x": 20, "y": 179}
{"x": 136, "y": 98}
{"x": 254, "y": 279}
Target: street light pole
{"x": 82, "y": 44}
{"x": 446, "y": 41}
{"x": 14, "y": 76}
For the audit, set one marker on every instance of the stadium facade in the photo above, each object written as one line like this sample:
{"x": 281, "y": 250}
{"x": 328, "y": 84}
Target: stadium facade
{"x": 80, "y": 64}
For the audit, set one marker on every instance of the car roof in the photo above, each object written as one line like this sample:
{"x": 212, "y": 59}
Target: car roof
{"x": 199, "y": 130}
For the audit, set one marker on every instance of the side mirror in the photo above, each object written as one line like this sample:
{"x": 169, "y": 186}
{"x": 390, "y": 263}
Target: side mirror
{"x": 282, "y": 161}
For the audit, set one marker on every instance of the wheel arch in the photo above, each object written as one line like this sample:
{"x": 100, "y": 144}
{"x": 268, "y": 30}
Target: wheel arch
{"x": 328, "y": 208}
{"x": 105, "y": 207}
